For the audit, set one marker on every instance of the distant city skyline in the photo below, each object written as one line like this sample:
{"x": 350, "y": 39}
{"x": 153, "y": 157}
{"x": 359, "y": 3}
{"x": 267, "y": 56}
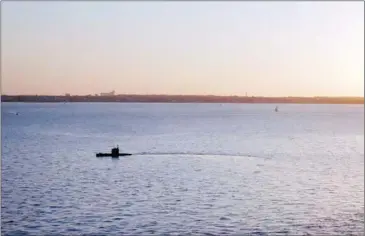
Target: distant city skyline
{"x": 272, "y": 49}
{"x": 114, "y": 93}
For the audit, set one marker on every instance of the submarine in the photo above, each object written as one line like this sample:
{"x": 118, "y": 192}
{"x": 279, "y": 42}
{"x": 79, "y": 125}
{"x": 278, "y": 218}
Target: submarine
{"x": 114, "y": 153}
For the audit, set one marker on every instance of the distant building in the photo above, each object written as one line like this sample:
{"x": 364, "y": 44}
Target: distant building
{"x": 67, "y": 95}
{"x": 112, "y": 93}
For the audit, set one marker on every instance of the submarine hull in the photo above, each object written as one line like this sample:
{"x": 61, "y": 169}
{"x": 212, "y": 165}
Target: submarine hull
{"x": 112, "y": 155}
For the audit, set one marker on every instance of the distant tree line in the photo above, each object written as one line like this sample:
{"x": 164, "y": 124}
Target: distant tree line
{"x": 182, "y": 99}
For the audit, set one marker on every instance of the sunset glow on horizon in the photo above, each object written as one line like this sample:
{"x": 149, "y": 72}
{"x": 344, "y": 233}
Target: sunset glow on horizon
{"x": 216, "y": 48}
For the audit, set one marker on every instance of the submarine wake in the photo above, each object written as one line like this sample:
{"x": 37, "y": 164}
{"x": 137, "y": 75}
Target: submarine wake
{"x": 192, "y": 154}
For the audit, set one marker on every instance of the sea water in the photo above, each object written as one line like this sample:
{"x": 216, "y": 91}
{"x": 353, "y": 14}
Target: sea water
{"x": 198, "y": 169}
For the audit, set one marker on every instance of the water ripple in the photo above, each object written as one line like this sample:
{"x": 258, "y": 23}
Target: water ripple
{"x": 227, "y": 170}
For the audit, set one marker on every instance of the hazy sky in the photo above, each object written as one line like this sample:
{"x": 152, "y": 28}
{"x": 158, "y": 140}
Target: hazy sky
{"x": 222, "y": 48}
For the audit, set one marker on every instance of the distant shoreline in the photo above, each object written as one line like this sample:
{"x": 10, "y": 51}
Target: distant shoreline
{"x": 180, "y": 99}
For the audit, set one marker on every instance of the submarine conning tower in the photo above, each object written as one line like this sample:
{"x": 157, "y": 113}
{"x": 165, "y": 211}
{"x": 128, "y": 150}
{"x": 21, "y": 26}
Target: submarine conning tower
{"x": 115, "y": 151}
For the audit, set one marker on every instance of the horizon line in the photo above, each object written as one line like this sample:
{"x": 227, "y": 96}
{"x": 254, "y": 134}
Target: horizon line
{"x": 196, "y": 95}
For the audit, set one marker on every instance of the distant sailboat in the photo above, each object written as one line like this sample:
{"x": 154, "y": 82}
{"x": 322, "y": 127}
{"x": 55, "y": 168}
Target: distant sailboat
{"x": 276, "y": 109}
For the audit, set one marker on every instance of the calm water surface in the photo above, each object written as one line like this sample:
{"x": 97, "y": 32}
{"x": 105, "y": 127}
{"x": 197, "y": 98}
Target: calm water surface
{"x": 199, "y": 169}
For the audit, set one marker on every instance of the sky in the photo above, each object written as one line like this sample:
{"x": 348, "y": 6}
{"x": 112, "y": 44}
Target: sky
{"x": 218, "y": 48}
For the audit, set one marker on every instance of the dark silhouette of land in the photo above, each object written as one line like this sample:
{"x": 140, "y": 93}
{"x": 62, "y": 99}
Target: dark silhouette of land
{"x": 182, "y": 99}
